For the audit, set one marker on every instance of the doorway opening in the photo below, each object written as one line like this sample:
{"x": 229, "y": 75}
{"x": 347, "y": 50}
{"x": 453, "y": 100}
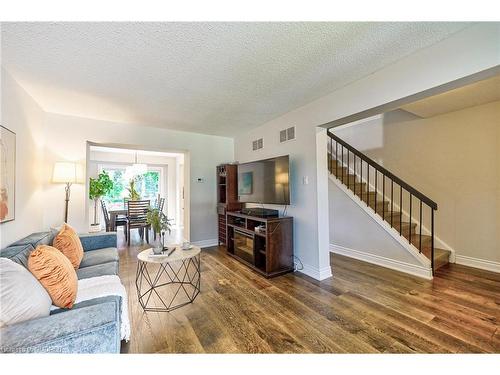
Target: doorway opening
{"x": 155, "y": 174}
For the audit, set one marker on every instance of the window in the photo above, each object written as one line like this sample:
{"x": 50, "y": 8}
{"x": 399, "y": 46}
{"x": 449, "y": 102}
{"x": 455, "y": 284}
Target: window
{"x": 148, "y": 185}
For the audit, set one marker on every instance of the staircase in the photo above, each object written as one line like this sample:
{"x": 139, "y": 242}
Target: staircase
{"x": 402, "y": 207}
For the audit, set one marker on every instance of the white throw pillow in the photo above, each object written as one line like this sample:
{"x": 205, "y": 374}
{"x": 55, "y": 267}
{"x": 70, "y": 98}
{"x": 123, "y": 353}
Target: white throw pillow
{"x": 22, "y": 297}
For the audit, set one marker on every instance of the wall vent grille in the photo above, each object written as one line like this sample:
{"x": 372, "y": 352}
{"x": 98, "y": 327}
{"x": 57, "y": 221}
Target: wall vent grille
{"x": 287, "y": 134}
{"x": 257, "y": 144}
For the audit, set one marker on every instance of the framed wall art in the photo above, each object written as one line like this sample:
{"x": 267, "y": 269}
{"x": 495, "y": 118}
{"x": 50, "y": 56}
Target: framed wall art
{"x": 7, "y": 174}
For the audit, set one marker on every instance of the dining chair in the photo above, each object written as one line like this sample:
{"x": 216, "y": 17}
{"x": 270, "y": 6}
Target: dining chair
{"x": 136, "y": 218}
{"x": 119, "y": 220}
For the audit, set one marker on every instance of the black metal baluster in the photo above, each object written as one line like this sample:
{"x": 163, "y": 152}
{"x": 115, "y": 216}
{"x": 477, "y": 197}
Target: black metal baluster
{"x": 367, "y": 183}
{"x": 432, "y": 240}
{"x": 329, "y": 157}
{"x": 376, "y": 190}
{"x": 354, "y": 156}
{"x": 347, "y": 170}
{"x": 383, "y": 196}
{"x": 392, "y": 200}
{"x": 360, "y": 180}
{"x": 400, "y": 208}
{"x": 409, "y": 227}
{"x": 343, "y": 164}
{"x": 420, "y": 236}
{"x": 336, "y": 159}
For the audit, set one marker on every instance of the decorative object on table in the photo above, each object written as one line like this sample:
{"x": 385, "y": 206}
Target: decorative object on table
{"x": 133, "y": 195}
{"x": 165, "y": 283}
{"x": 98, "y": 187}
{"x": 67, "y": 173}
{"x": 159, "y": 223}
{"x": 186, "y": 246}
{"x": 7, "y": 174}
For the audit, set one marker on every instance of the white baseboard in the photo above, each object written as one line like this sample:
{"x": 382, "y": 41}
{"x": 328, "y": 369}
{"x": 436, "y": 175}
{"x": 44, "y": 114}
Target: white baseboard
{"x": 483, "y": 264}
{"x": 317, "y": 273}
{"x": 412, "y": 269}
{"x": 206, "y": 243}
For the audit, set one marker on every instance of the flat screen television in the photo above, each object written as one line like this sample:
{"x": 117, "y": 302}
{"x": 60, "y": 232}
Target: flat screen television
{"x": 265, "y": 181}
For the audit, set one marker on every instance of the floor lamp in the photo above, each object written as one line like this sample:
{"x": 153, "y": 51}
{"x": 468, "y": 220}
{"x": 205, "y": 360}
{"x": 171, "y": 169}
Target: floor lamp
{"x": 67, "y": 173}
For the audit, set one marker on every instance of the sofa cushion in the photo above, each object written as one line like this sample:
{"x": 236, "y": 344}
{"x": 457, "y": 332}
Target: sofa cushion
{"x": 38, "y": 238}
{"x": 18, "y": 254}
{"x": 68, "y": 243}
{"x": 56, "y": 273}
{"x": 22, "y": 297}
{"x": 99, "y": 256}
{"x": 92, "y": 241}
{"x": 110, "y": 268}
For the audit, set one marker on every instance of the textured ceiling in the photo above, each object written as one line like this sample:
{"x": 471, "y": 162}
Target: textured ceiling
{"x": 214, "y": 78}
{"x": 478, "y": 93}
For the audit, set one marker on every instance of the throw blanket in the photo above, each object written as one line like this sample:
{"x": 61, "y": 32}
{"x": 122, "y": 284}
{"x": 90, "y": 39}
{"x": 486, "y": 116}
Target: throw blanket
{"x": 102, "y": 286}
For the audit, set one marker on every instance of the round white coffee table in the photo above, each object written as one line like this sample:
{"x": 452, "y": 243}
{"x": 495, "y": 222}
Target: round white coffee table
{"x": 165, "y": 283}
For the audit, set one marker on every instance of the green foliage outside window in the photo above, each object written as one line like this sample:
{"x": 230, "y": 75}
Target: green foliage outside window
{"x": 147, "y": 186}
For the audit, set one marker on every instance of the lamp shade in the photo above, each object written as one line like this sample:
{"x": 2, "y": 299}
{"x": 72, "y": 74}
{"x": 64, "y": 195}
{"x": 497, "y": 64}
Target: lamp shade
{"x": 67, "y": 172}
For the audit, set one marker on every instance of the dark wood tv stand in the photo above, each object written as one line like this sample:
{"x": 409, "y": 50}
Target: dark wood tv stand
{"x": 269, "y": 252}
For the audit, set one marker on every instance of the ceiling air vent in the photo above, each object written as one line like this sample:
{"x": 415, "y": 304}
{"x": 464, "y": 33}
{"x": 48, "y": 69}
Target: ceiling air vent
{"x": 287, "y": 134}
{"x": 258, "y": 144}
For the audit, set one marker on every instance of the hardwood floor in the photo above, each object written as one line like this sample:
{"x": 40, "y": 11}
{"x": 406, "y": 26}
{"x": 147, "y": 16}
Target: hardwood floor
{"x": 362, "y": 309}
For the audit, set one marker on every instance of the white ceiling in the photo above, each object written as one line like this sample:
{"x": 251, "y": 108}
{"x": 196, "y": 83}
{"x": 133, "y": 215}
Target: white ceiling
{"x": 482, "y": 92}
{"x": 214, "y": 78}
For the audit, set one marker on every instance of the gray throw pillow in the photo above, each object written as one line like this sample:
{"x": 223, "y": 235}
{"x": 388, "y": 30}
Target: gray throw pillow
{"x": 22, "y": 297}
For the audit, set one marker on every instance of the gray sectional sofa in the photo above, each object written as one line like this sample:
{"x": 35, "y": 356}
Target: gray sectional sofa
{"x": 89, "y": 327}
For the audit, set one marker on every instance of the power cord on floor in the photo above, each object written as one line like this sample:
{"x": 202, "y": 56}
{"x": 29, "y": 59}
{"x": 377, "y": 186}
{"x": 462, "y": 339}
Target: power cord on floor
{"x": 296, "y": 262}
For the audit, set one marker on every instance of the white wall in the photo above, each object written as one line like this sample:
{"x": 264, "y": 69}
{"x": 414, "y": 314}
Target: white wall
{"x": 467, "y": 52}
{"x": 66, "y": 139}
{"x": 23, "y": 116}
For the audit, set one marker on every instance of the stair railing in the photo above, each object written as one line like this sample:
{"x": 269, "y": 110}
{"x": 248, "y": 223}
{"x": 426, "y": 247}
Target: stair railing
{"x": 338, "y": 159}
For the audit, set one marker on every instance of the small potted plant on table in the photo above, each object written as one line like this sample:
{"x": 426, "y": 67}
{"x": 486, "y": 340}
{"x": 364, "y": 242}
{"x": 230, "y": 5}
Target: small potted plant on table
{"x": 160, "y": 224}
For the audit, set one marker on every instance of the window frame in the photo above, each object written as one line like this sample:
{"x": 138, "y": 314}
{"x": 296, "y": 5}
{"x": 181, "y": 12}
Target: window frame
{"x": 162, "y": 182}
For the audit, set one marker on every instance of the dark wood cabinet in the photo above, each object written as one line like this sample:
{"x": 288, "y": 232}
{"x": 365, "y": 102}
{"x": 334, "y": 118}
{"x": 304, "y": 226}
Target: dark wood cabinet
{"x": 227, "y": 196}
{"x": 263, "y": 243}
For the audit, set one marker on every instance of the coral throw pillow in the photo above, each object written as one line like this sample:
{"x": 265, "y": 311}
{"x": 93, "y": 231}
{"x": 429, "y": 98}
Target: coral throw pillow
{"x": 56, "y": 274}
{"x": 68, "y": 243}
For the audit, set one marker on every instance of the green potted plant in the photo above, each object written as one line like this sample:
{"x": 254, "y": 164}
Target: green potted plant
{"x": 160, "y": 224}
{"x": 98, "y": 187}
{"x": 133, "y": 195}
